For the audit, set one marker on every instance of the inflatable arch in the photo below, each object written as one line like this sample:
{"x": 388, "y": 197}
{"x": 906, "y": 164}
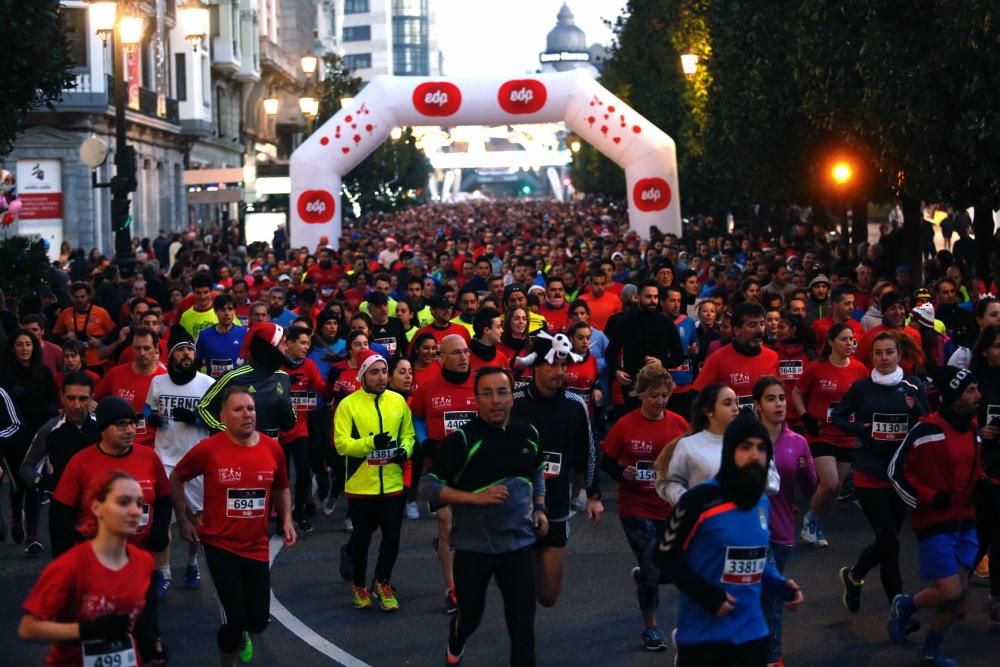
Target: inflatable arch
{"x": 645, "y": 152}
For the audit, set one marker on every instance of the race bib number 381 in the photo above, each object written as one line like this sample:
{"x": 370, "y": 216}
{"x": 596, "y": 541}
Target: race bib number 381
{"x": 744, "y": 565}
{"x": 246, "y": 503}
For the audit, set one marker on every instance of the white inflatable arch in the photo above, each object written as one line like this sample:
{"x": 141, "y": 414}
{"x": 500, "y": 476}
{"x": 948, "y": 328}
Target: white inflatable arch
{"x": 645, "y": 152}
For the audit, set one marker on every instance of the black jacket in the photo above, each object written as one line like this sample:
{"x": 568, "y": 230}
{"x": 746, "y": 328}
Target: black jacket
{"x": 637, "y": 334}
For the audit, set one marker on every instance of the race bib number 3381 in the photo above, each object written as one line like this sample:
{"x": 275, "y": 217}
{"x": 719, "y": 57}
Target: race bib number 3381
{"x": 744, "y": 565}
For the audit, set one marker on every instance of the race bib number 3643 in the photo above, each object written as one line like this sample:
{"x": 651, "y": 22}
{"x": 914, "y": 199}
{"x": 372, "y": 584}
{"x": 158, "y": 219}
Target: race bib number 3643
{"x": 744, "y": 565}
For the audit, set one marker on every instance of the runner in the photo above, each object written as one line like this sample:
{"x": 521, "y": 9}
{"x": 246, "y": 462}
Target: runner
{"x": 796, "y": 352}
{"x": 879, "y": 411}
{"x": 200, "y": 315}
{"x": 487, "y": 328}
{"x": 630, "y": 449}
{"x": 218, "y": 349}
{"x": 441, "y": 405}
{"x": 499, "y": 513}
{"x": 442, "y": 325}
{"x": 673, "y": 307}
{"x": 424, "y": 357}
{"x": 131, "y": 381}
{"x": 714, "y": 549}
{"x": 986, "y": 365}
{"x": 563, "y": 424}
{"x": 373, "y": 431}
{"x": 244, "y": 472}
{"x": 86, "y": 323}
{"x": 171, "y": 408}
{"x": 935, "y": 472}
{"x": 90, "y": 603}
{"x": 797, "y": 473}
{"x": 822, "y": 385}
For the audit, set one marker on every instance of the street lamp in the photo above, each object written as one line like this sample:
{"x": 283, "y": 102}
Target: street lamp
{"x": 309, "y": 106}
{"x": 575, "y": 146}
{"x": 346, "y": 102}
{"x": 841, "y": 173}
{"x": 309, "y": 64}
{"x": 271, "y": 106}
{"x": 194, "y": 20}
{"x": 396, "y": 133}
{"x": 130, "y": 32}
{"x": 689, "y": 63}
{"x": 102, "y": 17}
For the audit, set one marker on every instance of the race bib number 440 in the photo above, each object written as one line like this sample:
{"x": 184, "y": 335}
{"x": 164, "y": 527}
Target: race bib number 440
{"x": 456, "y": 419}
{"x": 246, "y": 503}
{"x": 744, "y": 565}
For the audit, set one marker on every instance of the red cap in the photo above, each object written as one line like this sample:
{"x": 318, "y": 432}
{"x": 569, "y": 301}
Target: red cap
{"x": 267, "y": 331}
{"x": 365, "y": 359}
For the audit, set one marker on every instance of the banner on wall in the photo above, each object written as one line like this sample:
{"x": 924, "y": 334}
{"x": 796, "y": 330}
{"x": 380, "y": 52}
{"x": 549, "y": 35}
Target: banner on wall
{"x": 39, "y": 187}
{"x": 646, "y": 153}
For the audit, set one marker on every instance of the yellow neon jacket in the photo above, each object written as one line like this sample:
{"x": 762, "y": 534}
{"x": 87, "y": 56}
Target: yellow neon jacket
{"x": 358, "y": 419}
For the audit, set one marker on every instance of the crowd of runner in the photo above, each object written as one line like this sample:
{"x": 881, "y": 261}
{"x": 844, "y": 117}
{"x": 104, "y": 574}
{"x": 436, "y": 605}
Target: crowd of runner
{"x": 493, "y": 364}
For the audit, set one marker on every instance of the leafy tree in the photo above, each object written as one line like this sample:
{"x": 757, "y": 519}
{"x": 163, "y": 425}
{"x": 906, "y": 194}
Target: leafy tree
{"x": 395, "y": 173}
{"x": 36, "y": 66}
{"x": 24, "y": 265}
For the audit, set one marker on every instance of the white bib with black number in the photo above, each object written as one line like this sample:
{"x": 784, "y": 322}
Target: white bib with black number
{"x": 246, "y": 503}
{"x": 381, "y": 457}
{"x": 144, "y": 519}
{"x": 553, "y": 464}
{"x": 744, "y": 565}
{"x": 100, "y": 653}
{"x": 889, "y": 426}
{"x": 456, "y": 419}
{"x": 644, "y": 472}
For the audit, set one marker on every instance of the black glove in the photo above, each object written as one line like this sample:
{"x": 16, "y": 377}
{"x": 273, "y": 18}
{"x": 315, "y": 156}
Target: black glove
{"x": 399, "y": 456}
{"x": 941, "y": 500}
{"x": 155, "y": 420}
{"x": 154, "y": 651}
{"x": 184, "y": 415}
{"x": 811, "y": 424}
{"x": 382, "y": 440}
{"x": 110, "y": 627}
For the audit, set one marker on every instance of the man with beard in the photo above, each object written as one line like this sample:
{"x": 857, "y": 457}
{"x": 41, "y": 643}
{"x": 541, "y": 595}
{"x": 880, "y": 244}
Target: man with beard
{"x": 171, "y": 408}
{"x": 276, "y": 310}
{"x": 324, "y": 274}
{"x": 639, "y": 337}
{"x": 262, "y": 375}
{"x": 714, "y": 549}
{"x": 603, "y": 304}
{"x": 740, "y": 364}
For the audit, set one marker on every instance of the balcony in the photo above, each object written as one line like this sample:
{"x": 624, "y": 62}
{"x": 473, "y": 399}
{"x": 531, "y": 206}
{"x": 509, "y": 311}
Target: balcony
{"x": 149, "y": 104}
{"x": 225, "y": 56}
{"x": 277, "y": 63}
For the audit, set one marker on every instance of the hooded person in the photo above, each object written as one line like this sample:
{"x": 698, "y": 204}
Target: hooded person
{"x": 714, "y": 549}
{"x": 263, "y": 377}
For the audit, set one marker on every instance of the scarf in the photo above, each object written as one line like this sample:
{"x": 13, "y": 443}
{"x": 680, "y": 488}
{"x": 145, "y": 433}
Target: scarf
{"x": 889, "y": 380}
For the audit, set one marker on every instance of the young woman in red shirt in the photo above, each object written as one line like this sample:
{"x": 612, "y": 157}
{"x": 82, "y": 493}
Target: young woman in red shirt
{"x": 822, "y": 385}
{"x": 581, "y": 377}
{"x": 796, "y": 350}
{"x": 424, "y": 359}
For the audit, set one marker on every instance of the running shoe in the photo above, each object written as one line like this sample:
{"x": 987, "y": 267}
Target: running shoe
{"x": 899, "y": 617}
{"x": 304, "y": 525}
{"x": 673, "y": 642}
{"x": 33, "y": 546}
{"x": 653, "y": 639}
{"x": 16, "y": 532}
{"x": 348, "y": 524}
{"x": 346, "y": 566}
{"x": 192, "y": 577}
{"x": 995, "y": 614}
{"x": 162, "y": 586}
{"x": 246, "y": 650}
{"x": 450, "y": 601}
{"x": 386, "y": 596}
{"x": 983, "y": 569}
{"x": 851, "y": 590}
{"x": 577, "y": 505}
{"x": 412, "y": 511}
{"x": 820, "y": 536}
{"x": 936, "y": 660}
{"x": 810, "y": 526}
{"x": 451, "y": 659}
{"x": 330, "y": 504}
{"x": 635, "y": 574}
{"x": 361, "y": 599}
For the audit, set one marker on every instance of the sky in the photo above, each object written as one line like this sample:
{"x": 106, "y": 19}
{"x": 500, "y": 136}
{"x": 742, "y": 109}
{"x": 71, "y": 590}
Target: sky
{"x": 506, "y": 36}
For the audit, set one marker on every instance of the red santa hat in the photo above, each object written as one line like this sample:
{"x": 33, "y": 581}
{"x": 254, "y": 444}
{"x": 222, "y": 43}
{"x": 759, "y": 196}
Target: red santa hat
{"x": 366, "y": 359}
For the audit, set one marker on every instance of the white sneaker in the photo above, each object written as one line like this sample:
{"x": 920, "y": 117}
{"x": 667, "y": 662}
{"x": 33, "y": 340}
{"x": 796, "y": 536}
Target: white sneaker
{"x": 673, "y": 642}
{"x": 348, "y": 524}
{"x": 330, "y": 504}
{"x": 412, "y": 511}
{"x": 810, "y": 529}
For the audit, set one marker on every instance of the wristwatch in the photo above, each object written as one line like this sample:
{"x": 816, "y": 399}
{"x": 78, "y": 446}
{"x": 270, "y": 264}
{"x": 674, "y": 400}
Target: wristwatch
{"x": 540, "y": 507}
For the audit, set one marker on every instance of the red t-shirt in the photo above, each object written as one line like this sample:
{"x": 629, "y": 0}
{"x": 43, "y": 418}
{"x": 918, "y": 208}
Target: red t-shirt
{"x": 124, "y": 382}
{"x": 444, "y": 406}
{"x": 824, "y": 384}
{"x": 423, "y": 375}
{"x": 87, "y": 468}
{"x": 308, "y": 390}
{"x": 240, "y": 483}
{"x": 325, "y": 280}
{"x": 637, "y": 441}
{"x": 346, "y": 383}
{"x": 475, "y": 362}
{"x": 77, "y": 587}
{"x": 128, "y": 355}
{"x": 738, "y": 371}
{"x": 581, "y": 377}
{"x": 602, "y": 307}
{"x": 439, "y": 334}
{"x": 557, "y": 318}
{"x": 821, "y": 328}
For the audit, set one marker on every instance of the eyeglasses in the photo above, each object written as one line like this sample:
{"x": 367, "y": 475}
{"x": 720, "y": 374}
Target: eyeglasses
{"x": 122, "y": 424}
{"x": 499, "y": 393}
{"x": 463, "y": 353}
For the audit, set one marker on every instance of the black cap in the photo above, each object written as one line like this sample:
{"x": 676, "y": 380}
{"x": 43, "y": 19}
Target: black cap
{"x": 110, "y": 409}
{"x": 377, "y": 299}
{"x": 889, "y": 299}
{"x": 438, "y": 301}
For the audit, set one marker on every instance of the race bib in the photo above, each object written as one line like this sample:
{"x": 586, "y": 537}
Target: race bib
{"x": 553, "y": 464}
{"x": 746, "y": 403}
{"x": 790, "y": 369}
{"x": 829, "y": 416}
{"x": 644, "y": 472}
{"x": 219, "y": 367}
{"x": 326, "y": 292}
{"x": 144, "y": 519}
{"x": 744, "y": 565}
{"x": 100, "y": 653}
{"x": 889, "y": 427}
{"x": 243, "y": 319}
{"x": 992, "y": 412}
{"x": 140, "y": 426}
{"x": 381, "y": 457}
{"x": 388, "y": 343}
{"x": 684, "y": 367}
{"x": 246, "y": 503}
{"x": 456, "y": 419}
{"x": 303, "y": 400}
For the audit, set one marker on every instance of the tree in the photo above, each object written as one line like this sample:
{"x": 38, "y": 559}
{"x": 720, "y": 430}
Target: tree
{"x": 395, "y": 173}
{"x": 24, "y": 265}
{"x": 37, "y": 64}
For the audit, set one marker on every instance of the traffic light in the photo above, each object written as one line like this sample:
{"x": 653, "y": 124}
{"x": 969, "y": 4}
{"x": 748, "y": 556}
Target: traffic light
{"x": 124, "y": 180}
{"x": 120, "y": 218}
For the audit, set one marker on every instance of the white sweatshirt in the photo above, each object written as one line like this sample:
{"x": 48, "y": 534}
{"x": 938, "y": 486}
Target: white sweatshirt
{"x": 696, "y": 459}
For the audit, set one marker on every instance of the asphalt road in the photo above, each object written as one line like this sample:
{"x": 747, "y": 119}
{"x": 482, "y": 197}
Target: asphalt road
{"x": 596, "y": 621}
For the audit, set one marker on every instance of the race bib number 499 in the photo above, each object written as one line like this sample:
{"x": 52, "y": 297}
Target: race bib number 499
{"x": 889, "y": 427}
{"x": 744, "y": 565}
{"x": 246, "y": 503}
{"x": 100, "y": 653}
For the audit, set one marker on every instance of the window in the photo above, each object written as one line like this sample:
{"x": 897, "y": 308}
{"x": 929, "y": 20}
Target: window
{"x": 409, "y": 7}
{"x": 75, "y": 21}
{"x": 356, "y": 7}
{"x": 409, "y": 62}
{"x": 358, "y": 33}
{"x": 181, "y": 70}
{"x": 355, "y": 61}
{"x": 409, "y": 30}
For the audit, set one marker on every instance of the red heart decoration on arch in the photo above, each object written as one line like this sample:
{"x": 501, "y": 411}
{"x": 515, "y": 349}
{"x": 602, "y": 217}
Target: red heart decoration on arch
{"x": 617, "y": 140}
{"x": 345, "y": 150}
{"x": 348, "y": 118}
{"x": 357, "y": 138}
{"x": 324, "y": 141}
{"x": 369, "y": 127}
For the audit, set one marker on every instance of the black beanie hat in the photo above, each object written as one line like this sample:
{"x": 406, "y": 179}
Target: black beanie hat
{"x": 743, "y": 427}
{"x": 889, "y": 299}
{"x": 951, "y": 382}
{"x": 110, "y": 409}
{"x": 179, "y": 336}
{"x": 730, "y": 477}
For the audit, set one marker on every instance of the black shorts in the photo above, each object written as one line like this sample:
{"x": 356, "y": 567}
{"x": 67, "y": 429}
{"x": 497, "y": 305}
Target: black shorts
{"x": 557, "y": 536}
{"x": 842, "y": 454}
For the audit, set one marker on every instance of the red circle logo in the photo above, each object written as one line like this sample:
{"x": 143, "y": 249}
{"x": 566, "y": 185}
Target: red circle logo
{"x": 651, "y": 194}
{"x": 521, "y": 96}
{"x": 316, "y": 207}
{"x": 437, "y": 98}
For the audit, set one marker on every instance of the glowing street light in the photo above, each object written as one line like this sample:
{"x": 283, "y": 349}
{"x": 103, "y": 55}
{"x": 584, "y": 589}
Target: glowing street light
{"x": 396, "y": 134}
{"x": 309, "y": 106}
{"x": 346, "y": 102}
{"x": 102, "y": 17}
{"x": 194, "y": 19}
{"x": 575, "y": 146}
{"x": 271, "y": 106}
{"x": 689, "y": 64}
{"x": 130, "y": 31}
{"x": 309, "y": 64}
{"x": 842, "y": 173}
